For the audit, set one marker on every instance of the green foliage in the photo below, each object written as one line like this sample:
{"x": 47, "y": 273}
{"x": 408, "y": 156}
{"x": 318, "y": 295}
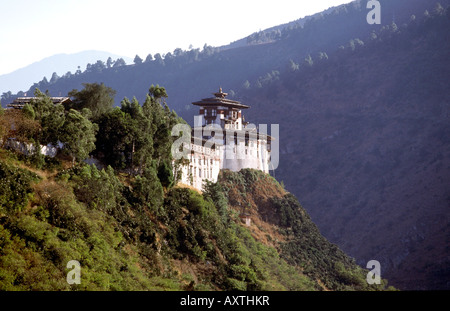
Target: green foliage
{"x": 147, "y": 190}
{"x": 15, "y": 187}
{"x": 36, "y": 257}
{"x": 98, "y": 189}
{"x": 134, "y": 135}
{"x": 126, "y": 237}
{"x": 96, "y": 97}
{"x": 50, "y": 116}
{"x": 165, "y": 174}
{"x": 78, "y": 135}
{"x": 157, "y": 92}
{"x": 114, "y": 139}
{"x": 28, "y": 111}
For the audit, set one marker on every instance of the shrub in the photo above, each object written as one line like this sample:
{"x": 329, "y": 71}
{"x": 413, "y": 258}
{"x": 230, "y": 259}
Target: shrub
{"x": 15, "y": 187}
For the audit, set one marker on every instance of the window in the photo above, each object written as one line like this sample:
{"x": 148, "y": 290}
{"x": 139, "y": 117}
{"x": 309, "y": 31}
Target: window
{"x": 200, "y": 172}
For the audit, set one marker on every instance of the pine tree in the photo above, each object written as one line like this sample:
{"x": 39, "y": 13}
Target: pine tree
{"x": 96, "y": 97}
{"x": 78, "y": 135}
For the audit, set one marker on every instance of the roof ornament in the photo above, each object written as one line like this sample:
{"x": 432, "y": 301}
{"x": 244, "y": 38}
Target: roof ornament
{"x": 220, "y": 94}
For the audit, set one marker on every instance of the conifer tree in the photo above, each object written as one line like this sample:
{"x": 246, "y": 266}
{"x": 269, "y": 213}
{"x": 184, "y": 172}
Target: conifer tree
{"x": 78, "y": 135}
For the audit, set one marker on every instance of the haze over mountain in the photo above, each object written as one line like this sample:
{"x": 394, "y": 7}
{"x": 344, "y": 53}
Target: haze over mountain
{"x": 363, "y": 114}
{"x": 21, "y": 79}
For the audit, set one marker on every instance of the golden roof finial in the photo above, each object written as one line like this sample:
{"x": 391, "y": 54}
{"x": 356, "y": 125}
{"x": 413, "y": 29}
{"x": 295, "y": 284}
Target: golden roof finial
{"x": 220, "y": 94}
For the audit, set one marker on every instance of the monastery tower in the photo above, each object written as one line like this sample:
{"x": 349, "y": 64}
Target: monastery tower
{"x": 221, "y": 139}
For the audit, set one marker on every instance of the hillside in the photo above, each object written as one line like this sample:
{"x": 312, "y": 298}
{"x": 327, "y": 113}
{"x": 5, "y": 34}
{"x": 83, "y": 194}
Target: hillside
{"x": 190, "y": 241}
{"x": 368, "y": 136}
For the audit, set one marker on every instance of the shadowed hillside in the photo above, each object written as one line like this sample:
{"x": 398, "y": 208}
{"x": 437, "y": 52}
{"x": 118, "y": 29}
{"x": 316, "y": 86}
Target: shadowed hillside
{"x": 367, "y": 134}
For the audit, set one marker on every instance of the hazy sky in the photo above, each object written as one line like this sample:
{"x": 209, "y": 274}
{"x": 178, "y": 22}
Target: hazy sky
{"x": 31, "y": 30}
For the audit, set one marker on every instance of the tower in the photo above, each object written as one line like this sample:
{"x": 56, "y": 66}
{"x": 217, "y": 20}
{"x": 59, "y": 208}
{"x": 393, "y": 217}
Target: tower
{"x": 221, "y": 111}
{"x": 235, "y": 145}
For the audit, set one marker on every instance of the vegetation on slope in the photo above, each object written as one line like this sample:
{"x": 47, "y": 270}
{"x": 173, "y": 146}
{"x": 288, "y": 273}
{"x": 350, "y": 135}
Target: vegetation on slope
{"x": 130, "y": 228}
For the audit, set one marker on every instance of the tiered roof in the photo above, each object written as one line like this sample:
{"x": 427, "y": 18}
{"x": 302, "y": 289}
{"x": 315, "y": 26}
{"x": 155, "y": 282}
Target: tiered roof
{"x": 220, "y": 99}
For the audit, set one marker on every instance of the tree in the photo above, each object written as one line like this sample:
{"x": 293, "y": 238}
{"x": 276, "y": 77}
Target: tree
{"x": 96, "y": 97}
{"x": 97, "y": 189}
{"x": 165, "y": 174}
{"x": 438, "y": 9}
{"x": 6, "y": 96}
{"x": 137, "y": 60}
{"x": 292, "y": 66}
{"x": 15, "y": 124}
{"x": 394, "y": 27}
{"x": 149, "y": 58}
{"x": 54, "y": 78}
{"x": 162, "y": 122}
{"x": 308, "y": 61}
{"x": 147, "y": 189}
{"x": 208, "y": 50}
{"x": 159, "y": 59}
{"x": 178, "y": 52}
{"x": 168, "y": 57}
{"x": 114, "y": 138}
{"x": 119, "y": 62}
{"x": 28, "y": 111}
{"x": 78, "y": 135}
{"x": 323, "y": 56}
{"x": 98, "y": 66}
{"x": 157, "y": 92}
{"x": 109, "y": 62}
{"x": 50, "y": 116}
{"x": 142, "y": 134}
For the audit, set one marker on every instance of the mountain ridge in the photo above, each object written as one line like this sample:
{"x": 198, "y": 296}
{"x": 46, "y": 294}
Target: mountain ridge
{"x": 20, "y": 79}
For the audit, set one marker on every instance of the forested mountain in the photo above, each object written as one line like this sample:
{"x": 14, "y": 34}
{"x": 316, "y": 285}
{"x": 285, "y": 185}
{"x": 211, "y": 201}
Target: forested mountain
{"x": 367, "y": 132}
{"x": 363, "y": 114}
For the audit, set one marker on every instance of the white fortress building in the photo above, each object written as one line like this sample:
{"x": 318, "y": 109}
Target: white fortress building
{"x": 221, "y": 139}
